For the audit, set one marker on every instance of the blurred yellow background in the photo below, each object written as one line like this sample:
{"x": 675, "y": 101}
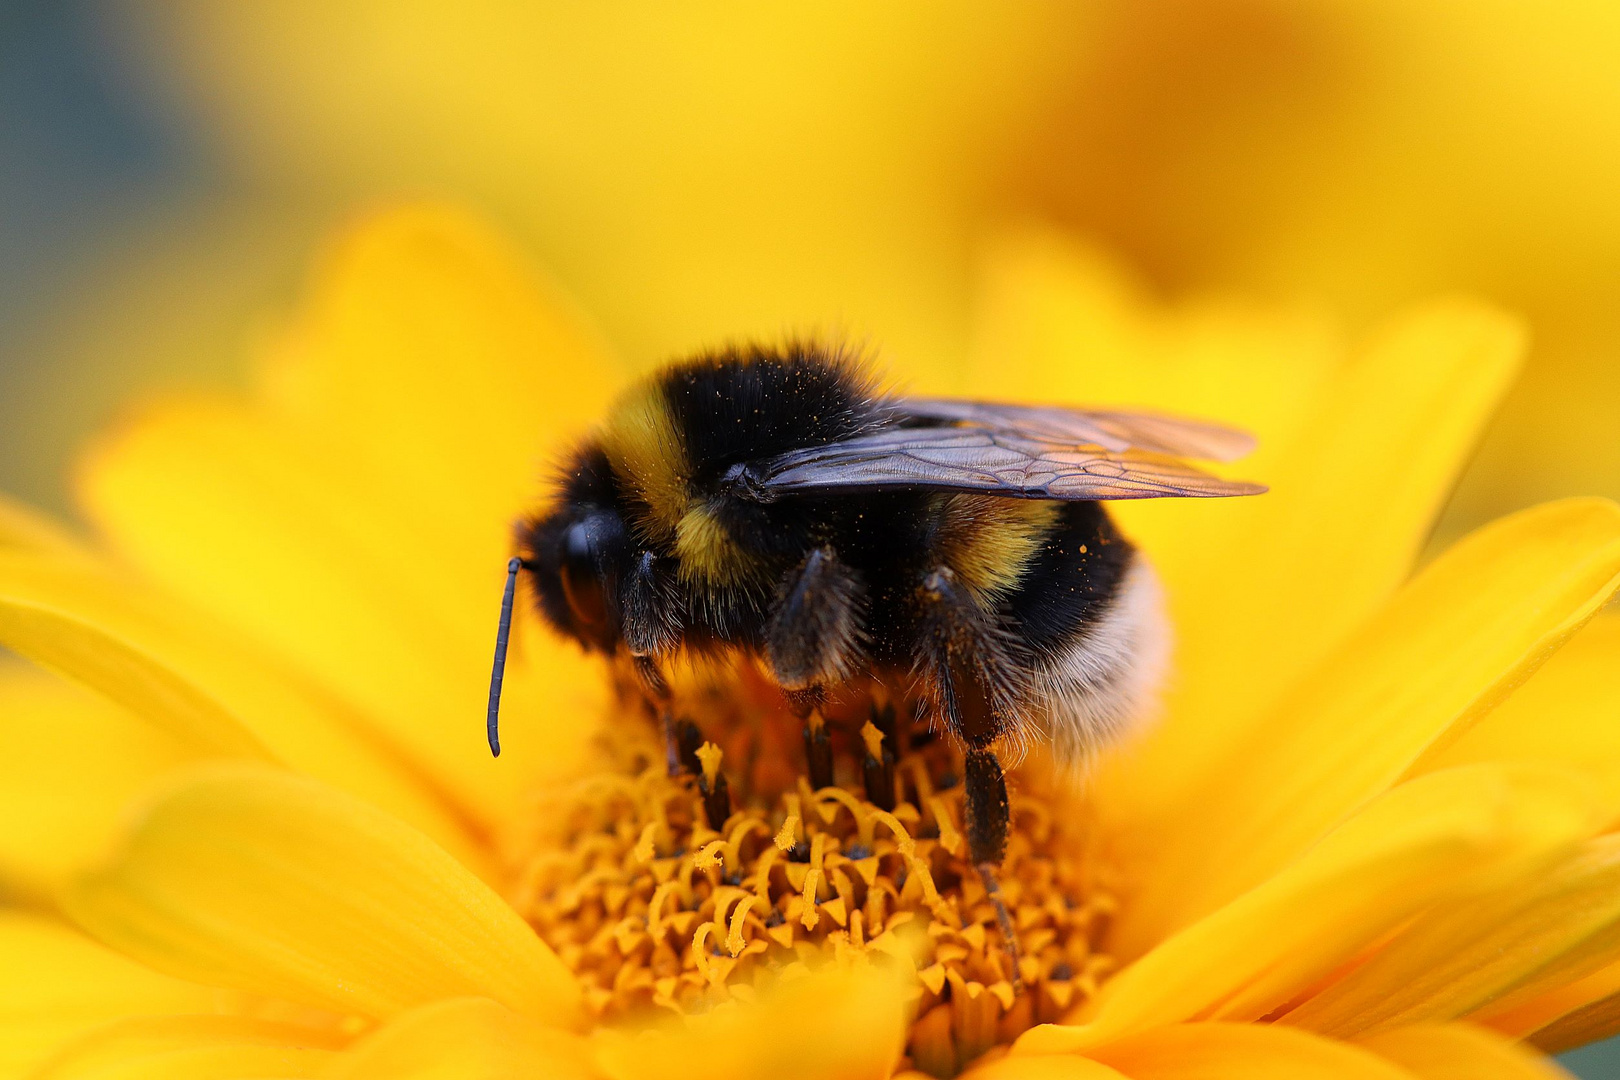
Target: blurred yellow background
{"x": 700, "y": 171}
{"x": 709, "y": 170}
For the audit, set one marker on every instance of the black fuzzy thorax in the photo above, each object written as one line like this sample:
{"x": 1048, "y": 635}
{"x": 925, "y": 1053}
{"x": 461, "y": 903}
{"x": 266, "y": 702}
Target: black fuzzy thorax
{"x": 748, "y": 403}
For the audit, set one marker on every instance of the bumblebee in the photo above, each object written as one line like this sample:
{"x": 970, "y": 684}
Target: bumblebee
{"x": 779, "y": 501}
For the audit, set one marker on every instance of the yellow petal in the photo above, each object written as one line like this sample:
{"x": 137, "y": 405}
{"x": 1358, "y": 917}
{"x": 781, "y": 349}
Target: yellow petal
{"x": 207, "y": 688}
{"x": 252, "y": 878}
{"x": 1566, "y": 713}
{"x": 832, "y": 1025}
{"x": 1454, "y": 642}
{"x": 23, "y": 528}
{"x": 1271, "y": 585}
{"x": 1460, "y": 1052}
{"x": 1052, "y": 1067}
{"x": 69, "y": 763}
{"x": 192, "y": 1048}
{"x": 1484, "y": 953}
{"x": 1057, "y": 320}
{"x": 431, "y": 352}
{"x": 406, "y": 421}
{"x": 35, "y": 623}
{"x": 1243, "y": 1052}
{"x": 1439, "y": 836}
{"x": 58, "y": 983}
{"x": 1588, "y": 1024}
{"x": 273, "y": 530}
{"x": 464, "y": 1039}
{"x": 1543, "y": 1010}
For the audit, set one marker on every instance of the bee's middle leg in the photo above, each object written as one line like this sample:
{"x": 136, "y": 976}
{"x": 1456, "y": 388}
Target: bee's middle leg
{"x": 812, "y": 640}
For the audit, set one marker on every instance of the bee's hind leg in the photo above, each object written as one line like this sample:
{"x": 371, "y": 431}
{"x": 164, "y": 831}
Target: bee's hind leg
{"x": 965, "y": 659}
{"x": 987, "y": 817}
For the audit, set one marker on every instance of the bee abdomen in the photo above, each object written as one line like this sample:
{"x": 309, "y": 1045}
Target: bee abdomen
{"x": 1092, "y": 685}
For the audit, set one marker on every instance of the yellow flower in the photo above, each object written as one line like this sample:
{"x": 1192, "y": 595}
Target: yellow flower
{"x": 1368, "y": 837}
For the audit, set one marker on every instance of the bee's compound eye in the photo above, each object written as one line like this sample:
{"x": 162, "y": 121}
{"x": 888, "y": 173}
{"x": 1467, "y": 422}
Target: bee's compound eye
{"x": 582, "y": 580}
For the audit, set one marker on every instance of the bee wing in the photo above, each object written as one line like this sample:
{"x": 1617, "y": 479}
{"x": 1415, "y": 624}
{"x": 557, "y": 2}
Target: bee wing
{"x": 995, "y": 461}
{"x": 1114, "y": 431}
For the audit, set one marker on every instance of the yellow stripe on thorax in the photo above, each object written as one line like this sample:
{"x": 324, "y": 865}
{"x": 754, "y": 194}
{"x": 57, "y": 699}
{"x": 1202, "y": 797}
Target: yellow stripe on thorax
{"x": 641, "y": 441}
{"x": 989, "y": 540}
{"x": 707, "y": 551}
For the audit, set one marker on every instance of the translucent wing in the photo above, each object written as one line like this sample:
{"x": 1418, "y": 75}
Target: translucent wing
{"x": 1007, "y": 460}
{"x": 1114, "y": 431}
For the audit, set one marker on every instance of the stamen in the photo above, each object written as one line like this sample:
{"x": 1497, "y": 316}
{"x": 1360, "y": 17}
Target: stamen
{"x": 734, "y": 939}
{"x": 712, "y": 783}
{"x": 877, "y": 768}
{"x": 818, "y": 751}
{"x": 709, "y": 756}
{"x": 949, "y": 838}
{"x": 812, "y": 881}
{"x": 788, "y": 835}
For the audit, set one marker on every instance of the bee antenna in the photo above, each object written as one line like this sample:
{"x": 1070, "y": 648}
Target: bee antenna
{"x": 502, "y": 635}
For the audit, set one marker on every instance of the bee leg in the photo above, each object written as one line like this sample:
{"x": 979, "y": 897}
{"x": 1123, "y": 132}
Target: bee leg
{"x": 818, "y": 755}
{"x": 811, "y": 641}
{"x": 970, "y": 672}
{"x": 656, "y": 688}
{"x": 987, "y": 815}
{"x": 813, "y": 635}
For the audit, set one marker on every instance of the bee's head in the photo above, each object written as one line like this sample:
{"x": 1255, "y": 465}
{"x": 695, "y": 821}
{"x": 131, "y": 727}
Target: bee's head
{"x": 576, "y": 554}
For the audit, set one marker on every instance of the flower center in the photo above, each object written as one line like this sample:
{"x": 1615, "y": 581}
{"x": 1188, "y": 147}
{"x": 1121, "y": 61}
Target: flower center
{"x": 677, "y": 893}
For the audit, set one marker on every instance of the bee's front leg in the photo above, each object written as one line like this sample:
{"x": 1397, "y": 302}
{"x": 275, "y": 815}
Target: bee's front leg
{"x": 651, "y": 615}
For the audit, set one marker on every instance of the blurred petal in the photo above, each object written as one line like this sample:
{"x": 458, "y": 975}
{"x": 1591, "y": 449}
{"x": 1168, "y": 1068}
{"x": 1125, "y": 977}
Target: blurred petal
{"x": 1053, "y": 1067}
{"x": 58, "y": 983}
{"x": 1460, "y": 1052}
{"x": 251, "y": 878}
{"x": 1438, "y": 836}
{"x": 433, "y": 352}
{"x": 1468, "y": 630}
{"x": 187, "y": 677}
{"x": 832, "y": 1025}
{"x": 464, "y": 1039}
{"x": 1538, "y": 1012}
{"x": 733, "y": 173}
{"x": 1569, "y": 713}
{"x": 34, "y": 623}
{"x": 23, "y": 528}
{"x": 1466, "y": 956}
{"x": 1351, "y": 503}
{"x": 70, "y": 762}
{"x": 360, "y": 522}
{"x": 1588, "y": 1024}
{"x": 192, "y": 1048}
{"x": 1059, "y": 321}
{"x": 1243, "y": 1052}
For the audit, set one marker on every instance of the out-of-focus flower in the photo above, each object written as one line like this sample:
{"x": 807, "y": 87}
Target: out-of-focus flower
{"x": 1345, "y": 850}
{"x": 725, "y": 169}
